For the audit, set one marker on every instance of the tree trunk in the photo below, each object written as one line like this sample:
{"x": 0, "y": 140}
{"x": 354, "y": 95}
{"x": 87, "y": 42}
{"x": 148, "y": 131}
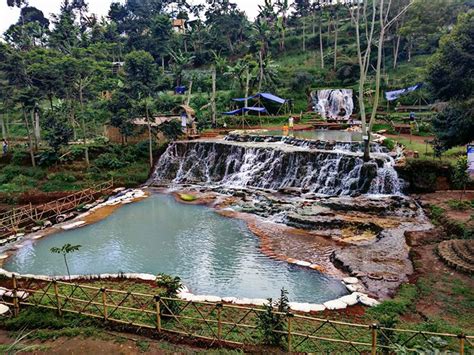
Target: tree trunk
{"x": 304, "y": 34}
{"x": 35, "y": 138}
{"x": 321, "y": 49}
{"x": 30, "y": 138}
{"x": 163, "y": 63}
{"x": 260, "y": 80}
{"x": 4, "y": 128}
{"x": 247, "y": 85}
{"x": 83, "y": 124}
{"x": 67, "y": 266}
{"x": 335, "y": 41}
{"x": 377, "y": 79}
{"x": 37, "y": 128}
{"x": 150, "y": 135}
{"x": 410, "y": 46}
{"x": 213, "y": 98}
{"x": 190, "y": 92}
{"x": 395, "y": 54}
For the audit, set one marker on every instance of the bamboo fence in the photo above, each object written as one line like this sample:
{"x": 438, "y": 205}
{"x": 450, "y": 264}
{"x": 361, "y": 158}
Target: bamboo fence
{"x": 27, "y": 216}
{"x": 218, "y": 323}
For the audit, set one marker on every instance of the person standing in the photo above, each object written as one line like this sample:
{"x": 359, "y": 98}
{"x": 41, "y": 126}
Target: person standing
{"x": 184, "y": 123}
{"x": 4, "y": 146}
{"x": 291, "y": 123}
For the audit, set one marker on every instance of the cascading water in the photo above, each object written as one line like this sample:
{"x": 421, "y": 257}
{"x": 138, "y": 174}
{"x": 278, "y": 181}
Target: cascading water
{"x": 334, "y": 103}
{"x": 275, "y": 166}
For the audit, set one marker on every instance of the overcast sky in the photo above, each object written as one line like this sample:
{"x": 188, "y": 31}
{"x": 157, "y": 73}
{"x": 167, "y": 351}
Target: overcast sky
{"x": 9, "y": 15}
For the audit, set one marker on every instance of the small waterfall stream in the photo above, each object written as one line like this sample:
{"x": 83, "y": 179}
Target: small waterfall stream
{"x": 334, "y": 103}
{"x": 276, "y": 165}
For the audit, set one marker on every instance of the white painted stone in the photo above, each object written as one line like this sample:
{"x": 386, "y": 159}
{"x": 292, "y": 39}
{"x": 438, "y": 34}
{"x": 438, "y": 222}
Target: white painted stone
{"x": 243, "y": 301}
{"x": 355, "y": 288}
{"x": 72, "y": 225}
{"x": 367, "y": 301}
{"x": 303, "y": 263}
{"x": 300, "y": 307}
{"x": 229, "y": 299}
{"x": 351, "y": 299}
{"x": 335, "y": 304}
{"x": 258, "y": 302}
{"x": 212, "y": 299}
{"x": 350, "y": 280}
{"x": 119, "y": 189}
{"x": 317, "y": 307}
{"x": 186, "y": 296}
{"x": 4, "y": 309}
{"x": 39, "y": 236}
{"x": 20, "y": 294}
{"x": 3, "y": 256}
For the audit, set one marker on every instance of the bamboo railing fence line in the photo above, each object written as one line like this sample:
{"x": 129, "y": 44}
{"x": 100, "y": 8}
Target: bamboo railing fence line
{"x": 27, "y": 216}
{"x": 217, "y": 323}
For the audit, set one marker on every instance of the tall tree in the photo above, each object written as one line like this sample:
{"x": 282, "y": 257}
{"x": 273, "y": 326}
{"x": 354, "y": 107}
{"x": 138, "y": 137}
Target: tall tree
{"x": 142, "y": 76}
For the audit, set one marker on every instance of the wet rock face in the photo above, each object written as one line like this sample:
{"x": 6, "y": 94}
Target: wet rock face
{"x": 273, "y": 166}
{"x": 306, "y": 143}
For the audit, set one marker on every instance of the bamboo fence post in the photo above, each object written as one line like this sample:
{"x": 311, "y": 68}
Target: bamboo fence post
{"x": 219, "y": 307}
{"x": 158, "y": 313}
{"x": 373, "y": 329}
{"x": 16, "y": 306}
{"x": 461, "y": 337}
{"x": 56, "y": 293}
{"x": 289, "y": 317}
{"x": 104, "y": 302}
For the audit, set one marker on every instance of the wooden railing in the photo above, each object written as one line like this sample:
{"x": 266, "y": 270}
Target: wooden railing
{"x": 27, "y": 216}
{"x": 219, "y": 323}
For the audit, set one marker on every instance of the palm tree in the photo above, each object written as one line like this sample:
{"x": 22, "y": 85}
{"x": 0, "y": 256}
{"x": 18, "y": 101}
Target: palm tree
{"x": 179, "y": 61}
{"x": 65, "y": 250}
{"x": 283, "y": 8}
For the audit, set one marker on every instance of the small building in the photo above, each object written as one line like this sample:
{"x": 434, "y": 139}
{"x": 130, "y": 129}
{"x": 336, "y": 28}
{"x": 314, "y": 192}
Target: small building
{"x": 140, "y": 126}
{"x": 179, "y": 25}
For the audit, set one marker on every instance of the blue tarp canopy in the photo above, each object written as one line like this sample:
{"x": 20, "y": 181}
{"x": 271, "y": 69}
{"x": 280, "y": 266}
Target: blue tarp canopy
{"x": 393, "y": 95}
{"x": 264, "y": 95}
{"x": 180, "y": 90}
{"x": 242, "y": 110}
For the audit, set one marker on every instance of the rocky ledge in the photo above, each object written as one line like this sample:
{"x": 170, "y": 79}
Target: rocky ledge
{"x": 362, "y": 236}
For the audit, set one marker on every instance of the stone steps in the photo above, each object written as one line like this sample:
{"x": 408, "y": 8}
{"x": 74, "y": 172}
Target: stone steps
{"x": 457, "y": 253}
{"x": 461, "y": 249}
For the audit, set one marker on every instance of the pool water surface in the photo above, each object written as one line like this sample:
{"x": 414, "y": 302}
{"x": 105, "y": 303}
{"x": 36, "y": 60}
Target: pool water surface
{"x": 212, "y": 254}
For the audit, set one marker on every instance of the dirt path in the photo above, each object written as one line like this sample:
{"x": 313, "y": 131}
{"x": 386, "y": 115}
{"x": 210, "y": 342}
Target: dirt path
{"x": 103, "y": 344}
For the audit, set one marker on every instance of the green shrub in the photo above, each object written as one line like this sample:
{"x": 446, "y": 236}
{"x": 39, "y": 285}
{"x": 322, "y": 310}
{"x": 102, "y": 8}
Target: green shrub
{"x": 436, "y": 213}
{"x": 269, "y": 322}
{"x": 400, "y": 304}
{"x": 19, "y": 157}
{"x": 389, "y": 144}
{"x": 460, "y": 205}
{"x": 171, "y": 285}
{"x": 109, "y": 161}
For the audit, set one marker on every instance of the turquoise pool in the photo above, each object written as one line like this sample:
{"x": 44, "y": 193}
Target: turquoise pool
{"x": 212, "y": 254}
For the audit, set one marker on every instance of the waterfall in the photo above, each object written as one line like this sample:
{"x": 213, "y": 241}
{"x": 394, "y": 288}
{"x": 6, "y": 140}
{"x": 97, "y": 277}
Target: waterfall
{"x": 274, "y": 166}
{"x": 334, "y": 103}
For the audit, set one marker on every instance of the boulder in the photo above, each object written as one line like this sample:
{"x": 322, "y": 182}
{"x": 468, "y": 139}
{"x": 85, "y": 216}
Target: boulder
{"x": 350, "y": 280}
{"x": 4, "y": 309}
{"x": 335, "y": 304}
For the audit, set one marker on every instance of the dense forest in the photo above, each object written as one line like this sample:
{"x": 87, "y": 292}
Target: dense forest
{"x": 63, "y": 78}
